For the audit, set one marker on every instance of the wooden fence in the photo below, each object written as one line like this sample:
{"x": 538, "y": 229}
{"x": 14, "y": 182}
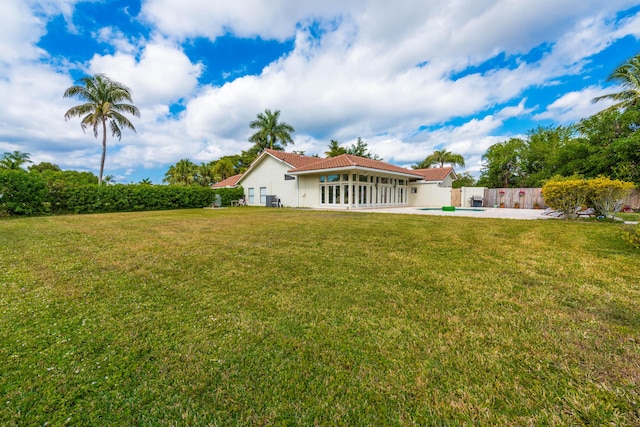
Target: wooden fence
{"x": 456, "y": 197}
{"x": 633, "y": 200}
{"x": 531, "y": 198}
{"x": 524, "y": 198}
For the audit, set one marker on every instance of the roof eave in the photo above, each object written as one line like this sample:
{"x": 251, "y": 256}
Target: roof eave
{"x": 352, "y": 168}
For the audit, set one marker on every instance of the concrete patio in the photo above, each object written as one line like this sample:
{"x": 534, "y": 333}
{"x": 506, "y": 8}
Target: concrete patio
{"x": 485, "y": 213}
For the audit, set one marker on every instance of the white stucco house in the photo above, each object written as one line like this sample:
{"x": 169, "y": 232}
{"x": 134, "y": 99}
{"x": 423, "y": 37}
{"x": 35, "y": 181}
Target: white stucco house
{"x": 344, "y": 181}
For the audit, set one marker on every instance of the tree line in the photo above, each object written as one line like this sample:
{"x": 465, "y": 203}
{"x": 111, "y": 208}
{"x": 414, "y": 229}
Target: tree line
{"x": 605, "y": 144}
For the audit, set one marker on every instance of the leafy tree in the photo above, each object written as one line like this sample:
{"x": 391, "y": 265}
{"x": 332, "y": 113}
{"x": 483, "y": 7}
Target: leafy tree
{"x": 69, "y": 178}
{"x": 15, "y": 160}
{"x": 440, "y": 157}
{"x": 626, "y": 75}
{"x": 612, "y": 144}
{"x": 464, "y": 179}
{"x": 103, "y": 104}
{"x": 184, "y": 172}
{"x": 541, "y": 157}
{"x": 335, "y": 149}
{"x": 502, "y": 164}
{"x": 270, "y": 132}
{"x": 361, "y": 149}
{"x": 44, "y": 166}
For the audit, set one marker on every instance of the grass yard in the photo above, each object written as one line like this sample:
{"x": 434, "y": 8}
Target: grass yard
{"x": 250, "y": 316}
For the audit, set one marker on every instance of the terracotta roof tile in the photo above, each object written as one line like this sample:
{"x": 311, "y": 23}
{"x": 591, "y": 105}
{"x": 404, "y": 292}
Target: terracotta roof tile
{"x": 295, "y": 160}
{"x": 434, "y": 174}
{"x": 348, "y": 160}
{"x": 229, "y": 182}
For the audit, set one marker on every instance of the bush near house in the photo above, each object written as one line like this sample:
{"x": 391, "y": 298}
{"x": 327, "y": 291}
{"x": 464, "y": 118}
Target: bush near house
{"x": 568, "y": 195}
{"x": 27, "y": 194}
{"x": 606, "y": 195}
{"x": 22, "y": 193}
{"x": 129, "y": 198}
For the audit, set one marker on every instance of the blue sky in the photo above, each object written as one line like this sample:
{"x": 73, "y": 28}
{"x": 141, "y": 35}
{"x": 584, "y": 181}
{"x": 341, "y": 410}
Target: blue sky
{"x": 408, "y": 77}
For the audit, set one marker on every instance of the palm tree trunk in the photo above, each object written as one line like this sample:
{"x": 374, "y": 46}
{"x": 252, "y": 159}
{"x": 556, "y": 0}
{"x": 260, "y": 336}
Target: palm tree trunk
{"x": 104, "y": 149}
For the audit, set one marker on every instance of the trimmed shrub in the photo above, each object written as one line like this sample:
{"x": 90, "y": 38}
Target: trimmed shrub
{"x": 128, "y": 198}
{"x": 22, "y": 193}
{"x": 606, "y": 196}
{"x": 566, "y": 195}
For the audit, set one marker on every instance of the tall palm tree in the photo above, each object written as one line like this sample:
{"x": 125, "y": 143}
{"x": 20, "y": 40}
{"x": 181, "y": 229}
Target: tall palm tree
{"x": 440, "y": 157}
{"x": 103, "y": 104}
{"x": 14, "y": 160}
{"x": 335, "y": 149}
{"x": 270, "y": 131}
{"x": 628, "y": 76}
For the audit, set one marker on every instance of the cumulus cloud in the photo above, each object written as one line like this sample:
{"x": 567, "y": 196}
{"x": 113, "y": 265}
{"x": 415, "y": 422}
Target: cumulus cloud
{"x": 573, "y": 106}
{"x": 380, "y": 70}
{"x": 162, "y": 74}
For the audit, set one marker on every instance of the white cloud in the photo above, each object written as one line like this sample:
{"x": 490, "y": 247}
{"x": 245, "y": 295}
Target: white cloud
{"x": 573, "y": 106}
{"x": 163, "y": 74}
{"x": 20, "y": 29}
{"x": 360, "y": 78}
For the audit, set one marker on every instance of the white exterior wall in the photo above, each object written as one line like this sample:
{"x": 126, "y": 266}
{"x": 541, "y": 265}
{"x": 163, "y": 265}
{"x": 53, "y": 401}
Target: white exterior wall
{"x": 447, "y": 182}
{"x": 429, "y": 194}
{"x": 270, "y": 173}
{"x": 309, "y": 191}
{"x": 468, "y": 192}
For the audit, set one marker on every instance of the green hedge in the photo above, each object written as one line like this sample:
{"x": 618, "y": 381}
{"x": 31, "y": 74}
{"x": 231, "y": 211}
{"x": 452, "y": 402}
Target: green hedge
{"x": 128, "y": 198}
{"x": 23, "y": 193}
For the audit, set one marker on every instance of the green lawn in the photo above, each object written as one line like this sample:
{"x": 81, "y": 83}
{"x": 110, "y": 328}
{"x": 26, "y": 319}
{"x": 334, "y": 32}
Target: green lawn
{"x": 629, "y": 216}
{"x": 283, "y": 317}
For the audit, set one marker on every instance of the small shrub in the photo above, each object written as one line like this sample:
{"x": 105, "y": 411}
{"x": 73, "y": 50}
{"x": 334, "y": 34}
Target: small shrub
{"x": 631, "y": 235}
{"x": 565, "y": 194}
{"x": 606, "y": 195}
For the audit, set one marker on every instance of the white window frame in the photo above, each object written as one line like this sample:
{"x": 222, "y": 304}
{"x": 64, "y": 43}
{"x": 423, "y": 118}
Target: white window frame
{"x": 263, "y": 196}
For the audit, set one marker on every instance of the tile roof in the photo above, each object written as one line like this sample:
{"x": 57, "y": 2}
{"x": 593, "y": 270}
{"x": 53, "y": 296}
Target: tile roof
{"x": 434, "y": 174}
{"x": 295, "y": 160}
{"x": 348, "y": 161}
{"x": 229, "y": 182}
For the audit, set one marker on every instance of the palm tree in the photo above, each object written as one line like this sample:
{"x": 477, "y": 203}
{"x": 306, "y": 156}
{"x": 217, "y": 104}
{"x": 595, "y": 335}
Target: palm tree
{"x": 440, "y": 157}
{"x": 184, "y": 172}
{"x": 223, "y": 169}
{"x": 109, "y": 179}
{"x": 14, "y": 160}
{"x": 270, "y": 132}
{"x": 206, "y": 174}
{"x": 146, "y": 181}
{"x": 628, "y": 76}
{"x": 103, "y": 104}
{"x": 335, "y": 149}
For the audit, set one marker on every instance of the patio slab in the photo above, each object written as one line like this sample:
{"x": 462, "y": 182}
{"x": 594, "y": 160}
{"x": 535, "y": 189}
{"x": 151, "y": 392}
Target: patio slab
{"x": 485, "y": 213}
